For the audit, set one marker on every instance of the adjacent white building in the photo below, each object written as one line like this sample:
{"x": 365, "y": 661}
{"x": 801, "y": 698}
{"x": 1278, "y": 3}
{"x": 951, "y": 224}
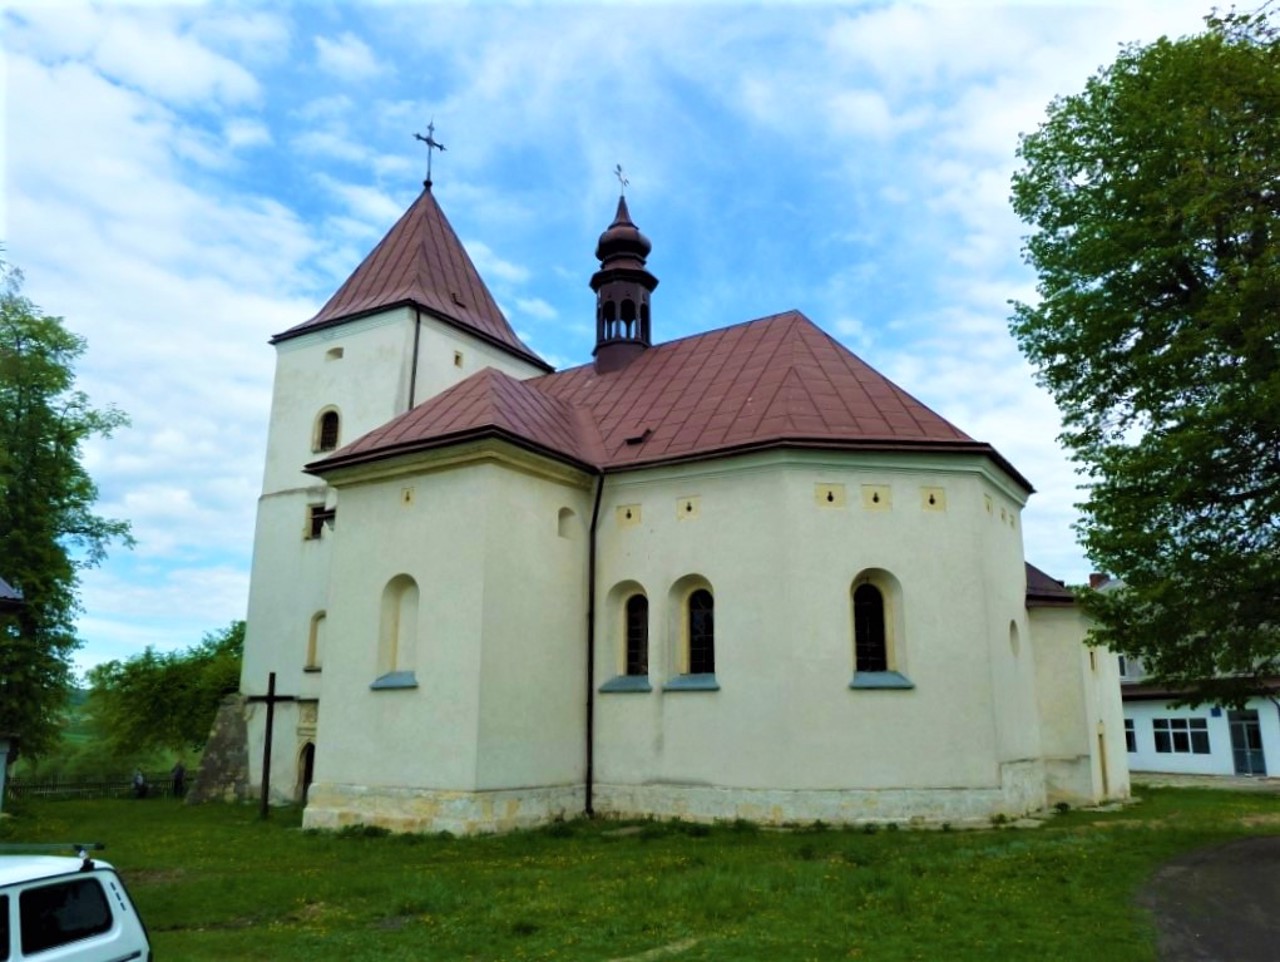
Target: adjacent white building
{"x": 1205, "y": 740}
{"x": 739, "y": 574}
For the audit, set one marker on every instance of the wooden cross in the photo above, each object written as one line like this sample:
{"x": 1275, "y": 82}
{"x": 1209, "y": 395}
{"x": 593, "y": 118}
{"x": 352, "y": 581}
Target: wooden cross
{"x": 432, "y": 144}
{"x": 264, "y": 810}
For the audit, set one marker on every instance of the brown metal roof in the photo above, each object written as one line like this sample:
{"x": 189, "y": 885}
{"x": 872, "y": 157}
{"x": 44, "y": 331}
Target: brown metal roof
{"x": 775, "y": 382}
{"x": 421, "y": 263}
{"x": 487, "y": 403}
{"x": 1045, "y": 591}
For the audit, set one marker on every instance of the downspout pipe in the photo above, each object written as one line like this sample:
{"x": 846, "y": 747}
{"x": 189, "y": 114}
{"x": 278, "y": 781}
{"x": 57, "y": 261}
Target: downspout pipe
{"x": 588, "y": 803}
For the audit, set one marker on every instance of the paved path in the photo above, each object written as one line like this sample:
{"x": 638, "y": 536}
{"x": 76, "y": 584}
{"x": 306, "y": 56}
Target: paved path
{"x": 1219, "y": 904}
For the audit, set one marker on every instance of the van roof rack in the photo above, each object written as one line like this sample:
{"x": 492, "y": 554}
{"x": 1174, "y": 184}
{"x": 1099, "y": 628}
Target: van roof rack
{"x": 81, "y": 849}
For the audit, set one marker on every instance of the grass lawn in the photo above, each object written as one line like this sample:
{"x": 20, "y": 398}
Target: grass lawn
{"x": 213, "y": 882}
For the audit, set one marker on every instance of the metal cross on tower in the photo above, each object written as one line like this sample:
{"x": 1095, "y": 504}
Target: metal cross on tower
{"x": 432, "y": 144}
{"x": 622, "y": 178}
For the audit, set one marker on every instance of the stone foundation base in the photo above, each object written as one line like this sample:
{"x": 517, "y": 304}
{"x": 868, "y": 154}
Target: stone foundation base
{"x": 1021, "y": 790}
{"x": 402, "y": 809}
{"x": 330, "y": 806}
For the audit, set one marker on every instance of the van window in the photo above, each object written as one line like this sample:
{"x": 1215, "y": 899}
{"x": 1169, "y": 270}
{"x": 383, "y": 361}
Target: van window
{"x": 4, "y": 927}
{"x": 54, "y": 915}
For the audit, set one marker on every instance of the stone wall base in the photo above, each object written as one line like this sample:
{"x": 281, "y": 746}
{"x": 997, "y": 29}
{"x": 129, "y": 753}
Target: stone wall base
{"x": 400, "y": 809}
{"x": 403, "y": 809}
{"x": 1021, "y": 790}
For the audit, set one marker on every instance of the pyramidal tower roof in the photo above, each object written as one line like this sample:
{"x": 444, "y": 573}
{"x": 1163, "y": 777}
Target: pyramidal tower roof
{"x": 421, "y": 263}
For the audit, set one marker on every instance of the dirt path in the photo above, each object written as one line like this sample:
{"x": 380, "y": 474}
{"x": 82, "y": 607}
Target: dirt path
{"x": 1220, "y": 903}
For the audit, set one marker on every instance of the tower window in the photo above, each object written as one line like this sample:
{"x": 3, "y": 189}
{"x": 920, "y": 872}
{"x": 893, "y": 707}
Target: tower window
{"x": 327, "y": 431}
{"x": 321, "y": 517}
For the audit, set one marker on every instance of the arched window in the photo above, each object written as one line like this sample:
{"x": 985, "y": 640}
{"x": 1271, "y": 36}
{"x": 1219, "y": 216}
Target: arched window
{"x": 870, "y": 648}
{"x": 398, "y": 634}
{"x": 637, "y": 635}
{"x": 702, "y": 634}
{"x": 326, "y": 438}
{"x": 878, "y": 631}
{"x": 628, "y": 317}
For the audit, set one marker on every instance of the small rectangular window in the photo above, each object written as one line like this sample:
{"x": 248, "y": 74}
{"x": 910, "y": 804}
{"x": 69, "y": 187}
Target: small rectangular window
{"x": 4, "y": 927}
{"x": 65, "y": 912}
{"x": 1199, "y": 736}
{"x": 320, "y": 518}
{"x": 1130, "y": 736}
{"x": 1182, "y": 736}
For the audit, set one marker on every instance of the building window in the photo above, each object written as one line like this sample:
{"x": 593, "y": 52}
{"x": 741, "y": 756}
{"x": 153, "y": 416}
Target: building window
{"x": 1130, "y": 736}
{"x": 870, "y": 645}
{"x": 326, "y": 436}
{"x": 320, "y": 518}
{"x": 637, "y": 635}
{"x": 875, "y": 599}
{"x": 702, "y": 633}
{"x": 1181, "y": 736}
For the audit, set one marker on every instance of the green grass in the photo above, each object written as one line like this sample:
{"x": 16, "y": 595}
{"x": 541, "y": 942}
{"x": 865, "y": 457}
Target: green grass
{"x": 215, "y": 883}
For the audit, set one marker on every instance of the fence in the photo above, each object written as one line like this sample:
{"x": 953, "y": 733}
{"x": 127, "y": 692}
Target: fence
{"x": 159, "y": 785}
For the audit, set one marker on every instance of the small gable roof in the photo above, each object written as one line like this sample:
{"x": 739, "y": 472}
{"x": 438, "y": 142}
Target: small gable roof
{"x": 421, "y": 263}
{"x": 1045, "y": 591}
{"x": 486, "y": 404}
{"x": 778, "y": 381}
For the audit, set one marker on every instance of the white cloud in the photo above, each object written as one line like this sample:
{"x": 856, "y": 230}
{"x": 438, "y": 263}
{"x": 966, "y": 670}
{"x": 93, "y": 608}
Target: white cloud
{"x": 364, "y": 203}
{"x": 347, "y": 57}
{"x": 490, "y": 265}
{"x": 242, "y": 132}
{"x": 537, "y": 308}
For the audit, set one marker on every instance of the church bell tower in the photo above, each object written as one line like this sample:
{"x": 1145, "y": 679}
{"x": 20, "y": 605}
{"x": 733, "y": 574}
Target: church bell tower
{"x": 623, "y": 286}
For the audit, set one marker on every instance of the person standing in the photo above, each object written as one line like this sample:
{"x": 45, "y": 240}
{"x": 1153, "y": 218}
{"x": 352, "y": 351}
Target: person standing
{"x": 179, "y": 774}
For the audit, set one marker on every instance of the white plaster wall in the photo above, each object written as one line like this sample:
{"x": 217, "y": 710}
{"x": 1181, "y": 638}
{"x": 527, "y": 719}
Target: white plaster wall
{"x": 1220, "y": 761}
{"x": 368, "y": 385}
{"x": 533, "y": 663}
{"x": 500, "y": 660}
{"x": 781, "y": 565}
{"x": 1079, "y": 697}
{"x": 289, "y": 583}
{"x": 426, "y": 735}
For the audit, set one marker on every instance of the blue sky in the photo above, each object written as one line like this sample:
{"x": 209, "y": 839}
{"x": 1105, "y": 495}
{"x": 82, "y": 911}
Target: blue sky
{"x": 183, "y": 180}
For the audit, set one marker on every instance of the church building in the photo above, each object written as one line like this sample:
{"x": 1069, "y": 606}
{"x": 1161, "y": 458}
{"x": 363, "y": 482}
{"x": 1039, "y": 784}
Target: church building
{"x": 735, "y": 575}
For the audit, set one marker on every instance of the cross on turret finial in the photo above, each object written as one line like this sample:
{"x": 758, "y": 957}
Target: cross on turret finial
{"x": 622, "y": 178}
{"x": 432, "y": 144}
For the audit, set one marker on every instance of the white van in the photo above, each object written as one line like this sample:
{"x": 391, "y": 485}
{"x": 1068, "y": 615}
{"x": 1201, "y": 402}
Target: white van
{"x": 55, "y": 909}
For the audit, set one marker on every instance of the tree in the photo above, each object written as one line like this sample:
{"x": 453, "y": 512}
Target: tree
{"x": 157, "y": 701}
{"x": 1153, "y": 198}
{"x": 48, "y": 531}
